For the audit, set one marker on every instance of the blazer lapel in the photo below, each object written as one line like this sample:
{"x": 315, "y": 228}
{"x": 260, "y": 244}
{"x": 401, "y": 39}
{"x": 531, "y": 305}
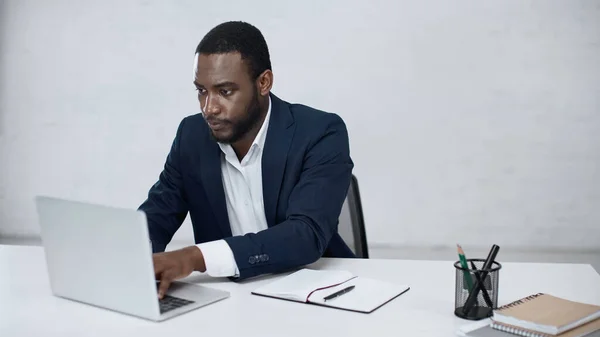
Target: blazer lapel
{"x": 211, "y": 178}
{"x": 277, "y": 144}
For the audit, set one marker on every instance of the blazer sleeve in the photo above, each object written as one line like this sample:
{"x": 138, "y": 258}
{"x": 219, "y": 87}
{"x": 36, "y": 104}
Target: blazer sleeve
{"x": 165, "y": 206}
{"x": 313, "y": 210}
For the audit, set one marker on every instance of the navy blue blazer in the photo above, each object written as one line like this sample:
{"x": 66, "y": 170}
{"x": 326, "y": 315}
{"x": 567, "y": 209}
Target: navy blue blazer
{"x": 306, "y": 170}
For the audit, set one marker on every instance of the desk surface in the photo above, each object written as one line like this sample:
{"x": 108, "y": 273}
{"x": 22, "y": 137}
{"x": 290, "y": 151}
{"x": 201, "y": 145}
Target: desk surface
{"x": 27, "y": 307}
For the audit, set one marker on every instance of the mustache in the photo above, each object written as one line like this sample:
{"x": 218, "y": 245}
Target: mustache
{"x": 213, "y": 120}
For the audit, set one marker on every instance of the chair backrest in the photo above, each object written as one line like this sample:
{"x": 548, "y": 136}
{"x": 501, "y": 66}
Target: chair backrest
{"x": 351, "y": 222}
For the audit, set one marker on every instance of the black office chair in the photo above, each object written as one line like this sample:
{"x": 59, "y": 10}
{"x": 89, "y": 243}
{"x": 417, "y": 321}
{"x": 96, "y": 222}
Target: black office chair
{"x": 352, "y": 224}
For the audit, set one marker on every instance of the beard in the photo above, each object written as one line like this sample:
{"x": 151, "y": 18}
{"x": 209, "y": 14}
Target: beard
{"x": 242, "y": 126}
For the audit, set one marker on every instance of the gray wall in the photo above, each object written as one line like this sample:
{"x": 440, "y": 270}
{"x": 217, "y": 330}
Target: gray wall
{"x": 470, "y": 121}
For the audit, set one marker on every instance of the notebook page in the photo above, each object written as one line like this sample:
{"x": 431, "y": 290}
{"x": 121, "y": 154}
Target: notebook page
{"x": 367, "y": 295}
{"x": 299, "y": 285}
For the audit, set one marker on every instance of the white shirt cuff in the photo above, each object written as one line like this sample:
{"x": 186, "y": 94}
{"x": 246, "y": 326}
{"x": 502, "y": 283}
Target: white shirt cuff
{"x": 219, "y": 259}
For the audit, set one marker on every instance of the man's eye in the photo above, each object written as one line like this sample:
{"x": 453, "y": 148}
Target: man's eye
{"x": 200, "y": 91}
{"x": 226, "y": 92}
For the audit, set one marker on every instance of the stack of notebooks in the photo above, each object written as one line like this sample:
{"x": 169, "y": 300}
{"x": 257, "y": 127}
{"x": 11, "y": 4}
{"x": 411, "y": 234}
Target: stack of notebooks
{"x": 541, "y": 315}
{"x": 317, "y": 287}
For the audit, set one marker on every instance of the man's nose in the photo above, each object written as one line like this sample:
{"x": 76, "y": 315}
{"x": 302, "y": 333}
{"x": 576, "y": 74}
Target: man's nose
{"x": 211, "y": 105}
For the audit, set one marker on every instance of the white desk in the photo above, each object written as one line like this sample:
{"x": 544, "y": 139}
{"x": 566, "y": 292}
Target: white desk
{"x": 27, "y": 307}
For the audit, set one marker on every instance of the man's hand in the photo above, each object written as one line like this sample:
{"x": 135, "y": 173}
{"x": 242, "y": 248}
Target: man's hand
{"x": 177, "y": 264}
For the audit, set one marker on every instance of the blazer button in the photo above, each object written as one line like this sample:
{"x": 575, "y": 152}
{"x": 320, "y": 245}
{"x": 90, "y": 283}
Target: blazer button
{"x": 257, "y": 258}
{"x": 262, "y": 257}
{"x": 251, "y": 260}
{"x": 266, "y": 257}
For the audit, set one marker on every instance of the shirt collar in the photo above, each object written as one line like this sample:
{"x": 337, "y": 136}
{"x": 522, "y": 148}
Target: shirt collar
{"x": 261, "y": 136}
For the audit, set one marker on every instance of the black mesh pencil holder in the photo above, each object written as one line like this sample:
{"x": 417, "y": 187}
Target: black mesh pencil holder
{"x": 476, "y": 290}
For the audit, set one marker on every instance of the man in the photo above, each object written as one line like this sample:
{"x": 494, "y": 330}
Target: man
{"x": 263, "y": 180}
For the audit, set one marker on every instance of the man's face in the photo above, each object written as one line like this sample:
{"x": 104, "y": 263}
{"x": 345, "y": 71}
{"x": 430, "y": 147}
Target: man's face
{"x": 228, "y": 96}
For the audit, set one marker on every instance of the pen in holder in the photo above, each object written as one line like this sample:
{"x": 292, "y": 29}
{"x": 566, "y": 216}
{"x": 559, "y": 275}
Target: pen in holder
{"x": 484, "y": 287}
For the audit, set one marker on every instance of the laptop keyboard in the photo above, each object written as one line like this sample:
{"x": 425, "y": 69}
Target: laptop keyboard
{"x": 169, "y": 303}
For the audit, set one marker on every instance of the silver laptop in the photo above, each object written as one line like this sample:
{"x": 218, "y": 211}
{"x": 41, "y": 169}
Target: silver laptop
{"x": 102, "y": 256}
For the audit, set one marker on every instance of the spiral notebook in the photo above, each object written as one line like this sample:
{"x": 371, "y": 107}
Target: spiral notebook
{"x": 545, "y": 315}
{"x": 312, "y": 286}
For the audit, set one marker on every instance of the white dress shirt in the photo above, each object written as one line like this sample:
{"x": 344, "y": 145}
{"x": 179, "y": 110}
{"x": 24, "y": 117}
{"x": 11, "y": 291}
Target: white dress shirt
{"x": 242, "y": 183}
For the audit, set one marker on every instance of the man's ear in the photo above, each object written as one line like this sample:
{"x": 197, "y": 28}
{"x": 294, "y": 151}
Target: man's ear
{"x": 264, "y": 82}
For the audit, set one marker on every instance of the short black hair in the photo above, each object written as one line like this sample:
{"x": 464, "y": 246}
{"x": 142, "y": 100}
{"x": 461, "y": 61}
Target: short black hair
{"x": 241, "y": 37}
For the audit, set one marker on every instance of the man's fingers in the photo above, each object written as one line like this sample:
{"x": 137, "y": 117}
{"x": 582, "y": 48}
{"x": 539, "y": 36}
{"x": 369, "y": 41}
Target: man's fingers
{"x": 159, "y": 266}
{"x": 165, "y": 282}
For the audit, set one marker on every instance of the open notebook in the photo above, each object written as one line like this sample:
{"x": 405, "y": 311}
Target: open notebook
{"x": 547, "y": 315}
{"x": 312, "y": 286}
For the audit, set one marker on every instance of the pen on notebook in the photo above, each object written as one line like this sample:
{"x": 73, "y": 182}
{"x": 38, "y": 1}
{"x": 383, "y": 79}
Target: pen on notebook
{"x": 463, "y": 263}
{"x": 338, "y": 293}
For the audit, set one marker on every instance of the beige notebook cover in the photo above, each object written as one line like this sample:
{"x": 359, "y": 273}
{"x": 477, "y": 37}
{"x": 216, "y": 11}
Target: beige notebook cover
{"x": 548, "y": 315}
